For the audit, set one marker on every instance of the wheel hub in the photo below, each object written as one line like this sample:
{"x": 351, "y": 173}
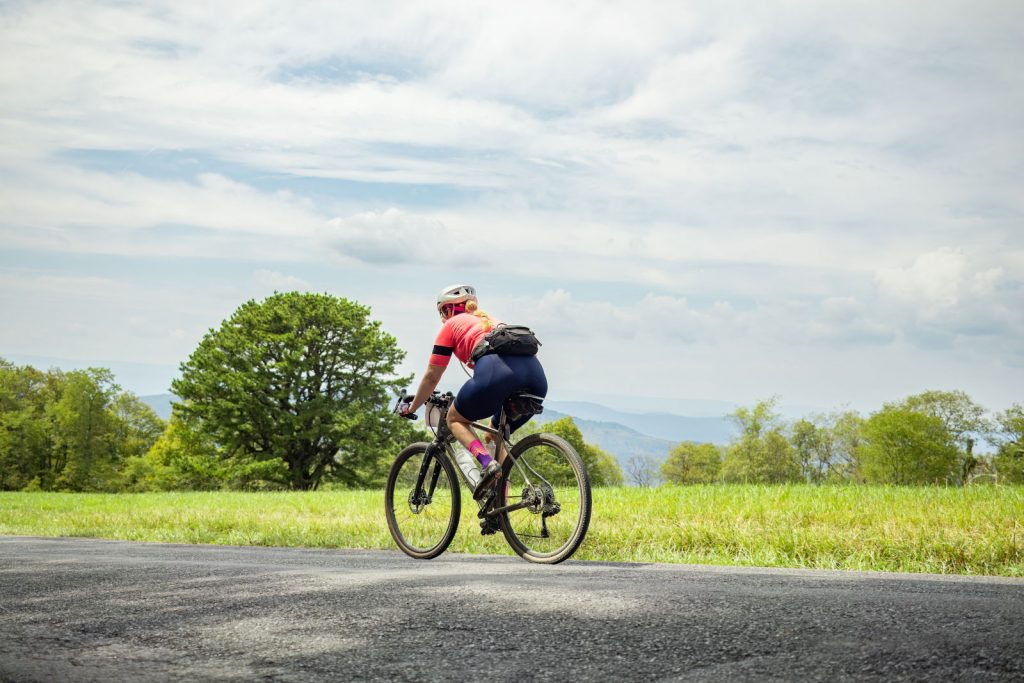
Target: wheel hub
{"x": 535, "y": 497}
{"x": 541, "y": 498}
{"x": 417, "y": 502}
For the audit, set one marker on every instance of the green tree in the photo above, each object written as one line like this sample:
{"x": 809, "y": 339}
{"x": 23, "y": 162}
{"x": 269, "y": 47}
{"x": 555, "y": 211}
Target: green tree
{"x": 136, "y": 426}
{"x": 963, "y": 419}
{"x": 608, "y": 470}
{"x": 184, "y": 459}
{"x": 826, "y": 445}
{"x": 848, "y": 434}
{"x": 304, "y": 379}
{"x": 602, "y": 467}
{"x": 904, "y": 446}
{"x": 692, "y": 463}
{"x": 68, "y": 430}
{"x": 86, "y": 455}
{"x": 812, "y": 446}
{"x": 26, "y": 434}
{"x": 761, "y": 453}
{"x": 1009, "y": 459}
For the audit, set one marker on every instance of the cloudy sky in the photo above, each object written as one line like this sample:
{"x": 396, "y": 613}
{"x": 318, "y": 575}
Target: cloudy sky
{"x": 822, "y": 201}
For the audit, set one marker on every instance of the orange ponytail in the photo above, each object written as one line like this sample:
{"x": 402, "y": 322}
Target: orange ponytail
{"x": 474, "y": 308}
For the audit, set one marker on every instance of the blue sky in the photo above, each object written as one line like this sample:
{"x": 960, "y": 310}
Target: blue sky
{"x": 820, "y": 201}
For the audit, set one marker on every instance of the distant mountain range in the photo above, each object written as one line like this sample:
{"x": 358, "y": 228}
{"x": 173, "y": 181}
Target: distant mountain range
{"x": 627, "y": 434}
{"x": 161, "y": 404}
{"x": 619, "y": 440}
{"x": 622, "y": 434}
{"x": 662, "y": 425}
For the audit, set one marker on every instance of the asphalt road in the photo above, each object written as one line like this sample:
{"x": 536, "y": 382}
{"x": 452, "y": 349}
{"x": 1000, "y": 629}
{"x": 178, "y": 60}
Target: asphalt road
{"x": 88, "y": 610}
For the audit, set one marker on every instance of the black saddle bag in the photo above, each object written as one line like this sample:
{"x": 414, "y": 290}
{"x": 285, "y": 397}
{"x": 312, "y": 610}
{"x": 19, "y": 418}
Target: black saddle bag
{"x": 511, "y": 340}
{"x": 522, "y": 404}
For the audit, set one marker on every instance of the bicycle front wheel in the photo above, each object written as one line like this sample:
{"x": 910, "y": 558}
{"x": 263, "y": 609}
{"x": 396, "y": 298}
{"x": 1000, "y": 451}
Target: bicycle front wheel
{"x": 421, "y": 502}
{"x": 545, "y": 475}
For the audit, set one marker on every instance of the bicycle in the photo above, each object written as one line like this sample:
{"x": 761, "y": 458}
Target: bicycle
{"x": 541, "y": 502}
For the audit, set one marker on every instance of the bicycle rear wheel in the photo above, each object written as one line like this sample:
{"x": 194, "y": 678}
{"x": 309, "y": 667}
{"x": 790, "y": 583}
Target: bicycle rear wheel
{"x": 423, "y": 520}
{"x": 545, "y": 472}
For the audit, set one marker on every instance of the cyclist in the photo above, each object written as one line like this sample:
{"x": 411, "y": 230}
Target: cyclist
{"x": 496, "y": 376}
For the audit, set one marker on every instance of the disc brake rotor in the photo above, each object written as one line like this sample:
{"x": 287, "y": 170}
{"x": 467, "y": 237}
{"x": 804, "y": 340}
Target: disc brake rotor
{"x": 535, "y": 495}
{"x": 416, "y": 503}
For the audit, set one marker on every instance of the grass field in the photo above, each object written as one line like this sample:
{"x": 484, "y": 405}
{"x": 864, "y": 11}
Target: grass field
{"x": 975, "y": 530}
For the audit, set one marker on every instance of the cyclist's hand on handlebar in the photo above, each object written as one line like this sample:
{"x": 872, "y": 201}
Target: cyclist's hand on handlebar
{"x": 404, "y": 409}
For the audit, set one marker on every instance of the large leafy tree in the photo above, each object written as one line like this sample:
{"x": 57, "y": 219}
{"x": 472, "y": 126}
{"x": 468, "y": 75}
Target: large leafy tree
{"x": 692, "y": 463}
{"x": 304, "y": 379}
{"x": 904, "y": 446}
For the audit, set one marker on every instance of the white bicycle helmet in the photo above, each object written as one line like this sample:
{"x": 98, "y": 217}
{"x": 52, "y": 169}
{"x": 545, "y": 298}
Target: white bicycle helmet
{"x": 455, "y": 294}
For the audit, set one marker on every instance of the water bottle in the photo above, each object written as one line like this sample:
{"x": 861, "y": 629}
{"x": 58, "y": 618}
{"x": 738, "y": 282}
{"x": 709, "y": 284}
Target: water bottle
{"x": 467, "y": 463}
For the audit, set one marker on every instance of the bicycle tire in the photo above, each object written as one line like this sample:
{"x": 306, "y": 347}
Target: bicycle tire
{"x": 516, "y": 525}
{"x": 399, "y": 478}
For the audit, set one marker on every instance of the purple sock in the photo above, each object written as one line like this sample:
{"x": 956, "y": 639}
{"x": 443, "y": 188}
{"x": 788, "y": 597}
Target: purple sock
{"x": 482, "y": 456}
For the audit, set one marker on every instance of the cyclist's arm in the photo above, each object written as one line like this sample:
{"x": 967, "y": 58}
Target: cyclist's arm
{"x": 441, "y": 354}
{"x": 429, "y": 382}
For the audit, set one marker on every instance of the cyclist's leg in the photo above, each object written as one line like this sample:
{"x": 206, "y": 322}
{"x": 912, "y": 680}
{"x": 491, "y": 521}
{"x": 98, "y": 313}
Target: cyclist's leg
{"x": 529, "y": 377}
{"x": 459, "y": 426}
{"x": 478, "y": 398}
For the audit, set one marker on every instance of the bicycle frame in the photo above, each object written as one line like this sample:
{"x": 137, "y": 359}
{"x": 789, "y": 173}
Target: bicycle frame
{"x": 443, "y": 440}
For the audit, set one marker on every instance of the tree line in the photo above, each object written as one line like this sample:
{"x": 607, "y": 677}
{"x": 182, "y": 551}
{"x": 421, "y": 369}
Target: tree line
{"x": 295, "y": 392}
{"x": 928, "y": 438}
{"x": 70, "y": 431}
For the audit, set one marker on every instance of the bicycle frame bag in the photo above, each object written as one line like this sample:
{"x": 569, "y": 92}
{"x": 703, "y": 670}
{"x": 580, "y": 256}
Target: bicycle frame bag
{"x": 511, "y": 340}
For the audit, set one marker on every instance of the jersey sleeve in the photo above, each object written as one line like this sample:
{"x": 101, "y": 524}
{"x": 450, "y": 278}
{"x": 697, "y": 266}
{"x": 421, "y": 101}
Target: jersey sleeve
{"x": 443, "y": 347}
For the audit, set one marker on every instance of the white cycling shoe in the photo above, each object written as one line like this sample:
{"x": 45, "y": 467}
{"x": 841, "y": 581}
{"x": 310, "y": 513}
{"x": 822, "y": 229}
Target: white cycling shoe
{"x": 490, "y": 473}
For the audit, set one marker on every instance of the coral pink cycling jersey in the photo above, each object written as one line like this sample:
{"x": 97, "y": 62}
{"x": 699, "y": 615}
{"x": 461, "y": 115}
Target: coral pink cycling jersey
{"x": 459, "y": 334}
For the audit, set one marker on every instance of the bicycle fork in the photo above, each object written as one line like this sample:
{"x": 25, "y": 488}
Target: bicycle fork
{"x": 429, "y": 457}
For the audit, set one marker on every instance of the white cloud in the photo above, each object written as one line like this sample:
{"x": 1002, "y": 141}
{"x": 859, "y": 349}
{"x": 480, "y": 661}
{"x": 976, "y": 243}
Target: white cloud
{"x": 945, "y": 294}
{"x": 934, "y": 281}
{"x": 791, "y": 175}
{"x": 394, "y": 237}
{"x": 56, "y": 206}
{"x": 271, "y": 279}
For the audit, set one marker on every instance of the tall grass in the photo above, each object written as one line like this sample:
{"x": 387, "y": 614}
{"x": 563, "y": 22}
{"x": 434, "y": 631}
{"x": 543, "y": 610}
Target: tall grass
{"x": 974, "y": 530}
